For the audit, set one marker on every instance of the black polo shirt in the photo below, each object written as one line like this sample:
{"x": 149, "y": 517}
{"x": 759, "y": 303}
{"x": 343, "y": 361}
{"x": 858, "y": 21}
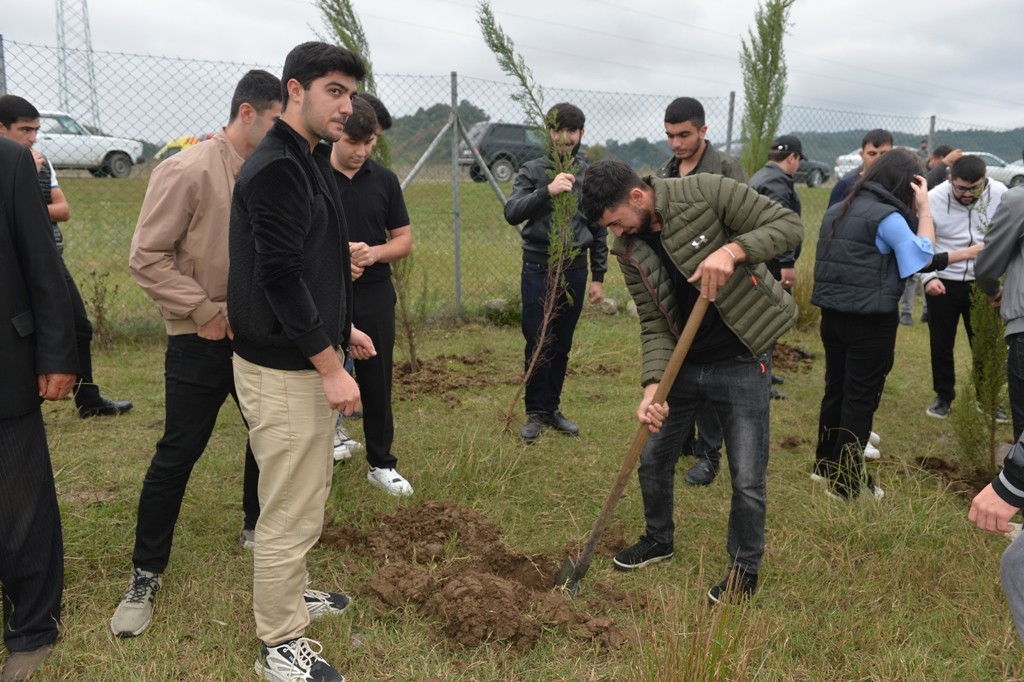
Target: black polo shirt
{"x": 373, "y": 203}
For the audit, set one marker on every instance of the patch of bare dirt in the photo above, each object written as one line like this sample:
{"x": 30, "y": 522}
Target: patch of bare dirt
{"x": 961, "y": 479}
{"x": 445, "y": 376}
{"x": 450, "y": 562}
{"x": 786, "y": 358}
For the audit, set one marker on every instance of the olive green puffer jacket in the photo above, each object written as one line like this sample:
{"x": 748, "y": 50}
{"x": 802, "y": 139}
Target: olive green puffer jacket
{"x": 699, "y": 214}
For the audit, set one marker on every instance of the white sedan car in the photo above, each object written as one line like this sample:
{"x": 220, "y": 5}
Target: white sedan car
{"x": 66, "y": 143}
{"x": 1010, "y": 174}
{"x": 845, "y": 163}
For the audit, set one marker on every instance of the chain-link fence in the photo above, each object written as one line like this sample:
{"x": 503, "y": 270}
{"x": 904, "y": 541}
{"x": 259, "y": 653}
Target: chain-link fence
{"x": 465, "y": 252}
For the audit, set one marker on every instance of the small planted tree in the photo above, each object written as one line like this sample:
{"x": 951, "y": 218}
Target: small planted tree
{"x": 763, "y": 62}
{"x": 564, "y": 205}
{"x": 977, "y": 430}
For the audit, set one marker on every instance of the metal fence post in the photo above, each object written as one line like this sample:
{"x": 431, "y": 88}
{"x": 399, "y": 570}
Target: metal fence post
{"x": 456, "y": 228}
{"x": 931, "y": 131}
{"x": 3, "y": 68}
{"x": 732, "y": 113}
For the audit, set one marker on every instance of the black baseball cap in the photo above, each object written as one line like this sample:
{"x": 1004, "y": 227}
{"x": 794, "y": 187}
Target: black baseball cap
{"x": 788, "y": 143}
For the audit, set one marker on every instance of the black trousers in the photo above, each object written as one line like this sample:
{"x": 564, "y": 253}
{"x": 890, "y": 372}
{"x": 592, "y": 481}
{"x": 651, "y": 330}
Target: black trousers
{"x": 944, "y": 313}
{"x": 86, "y": 391}
{"x": 197, "y": 378}
{"x": 31, "y": 544}
{"x": 374, "y": 314}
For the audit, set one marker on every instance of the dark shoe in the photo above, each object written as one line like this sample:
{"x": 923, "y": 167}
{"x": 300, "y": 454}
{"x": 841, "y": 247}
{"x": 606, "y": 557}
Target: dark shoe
{"x": 558, "y": 422}
{"x": 906, "y": 319}
{"x": 939, "y": 409}
{"x": 777, "y": 380}
{"x": 530, "y": 431}
{"x": 774, "y": 394}
{"x": 104, "y": 408}
{"x": 736, "y": 587}
{"x": 22, "y": 664}
{"x": 701, "y": 473}
{"x": 924, "y": 315}
{"x": 644, "y": 552}
{"x": 999, "y": 413}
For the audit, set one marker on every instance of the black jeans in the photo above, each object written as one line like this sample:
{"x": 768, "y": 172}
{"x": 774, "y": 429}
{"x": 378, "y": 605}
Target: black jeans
{"x": 374, "y": 314}
{"x": 31, "y": 545}
{"x": 198, "y": 378}
{"x": 859, "y": 353}
{"x": 544, "y": 387}
{"x": 86, "y": 391}
{"x": 1015, "y": 380}
{"x": 944, "y": 313}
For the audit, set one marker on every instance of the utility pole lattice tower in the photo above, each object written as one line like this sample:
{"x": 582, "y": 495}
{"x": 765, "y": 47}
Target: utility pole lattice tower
{"x": 76, "y": 75}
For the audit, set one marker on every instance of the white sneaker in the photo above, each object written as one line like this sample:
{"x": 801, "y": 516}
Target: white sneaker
{"x": 389, "y": 481}
{"x": 874, "y": 439}
{"x": 297, "y": 660}
{"x": 322, "y": 604}
{"x": 871, "y": 452}
{"x": 344, "y": 447}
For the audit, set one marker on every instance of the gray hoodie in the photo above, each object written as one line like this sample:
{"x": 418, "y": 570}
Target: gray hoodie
{"x": 1004, "y": 253}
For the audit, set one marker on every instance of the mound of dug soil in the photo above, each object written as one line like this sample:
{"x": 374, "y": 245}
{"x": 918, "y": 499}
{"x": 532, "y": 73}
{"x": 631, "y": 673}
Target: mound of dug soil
{"x": 450, "y": 562}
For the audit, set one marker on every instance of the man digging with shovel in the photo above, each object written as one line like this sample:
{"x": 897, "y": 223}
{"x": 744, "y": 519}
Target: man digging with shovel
{"x": 679, "y": 240}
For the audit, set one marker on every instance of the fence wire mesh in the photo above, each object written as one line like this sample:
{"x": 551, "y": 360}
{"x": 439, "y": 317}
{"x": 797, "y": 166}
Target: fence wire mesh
{"x": 465, "y": 252}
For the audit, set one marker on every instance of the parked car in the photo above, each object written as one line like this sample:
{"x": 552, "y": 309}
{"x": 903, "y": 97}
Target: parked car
{"x": 847, "y": 163}
{"x": 503, "y": 146}
{"x": 1009, "y": 173}
{"x": 68, "y": 144}
{"x": 812, "y": 173}
{"x": 180, "y": 143}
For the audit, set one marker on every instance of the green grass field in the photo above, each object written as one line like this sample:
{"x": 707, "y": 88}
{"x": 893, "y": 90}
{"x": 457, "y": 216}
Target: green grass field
{"x": 898, "y": 589}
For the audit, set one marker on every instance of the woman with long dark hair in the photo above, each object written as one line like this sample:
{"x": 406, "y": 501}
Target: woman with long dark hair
{"x": 869, "y": 244}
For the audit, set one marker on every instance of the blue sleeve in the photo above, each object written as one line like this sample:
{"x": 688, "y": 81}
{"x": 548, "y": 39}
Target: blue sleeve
{"x": 912, "y": 252}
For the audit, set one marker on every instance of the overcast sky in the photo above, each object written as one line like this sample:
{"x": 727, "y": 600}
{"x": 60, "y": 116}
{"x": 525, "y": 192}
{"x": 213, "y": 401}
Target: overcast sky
{"x": 957, "y": 60}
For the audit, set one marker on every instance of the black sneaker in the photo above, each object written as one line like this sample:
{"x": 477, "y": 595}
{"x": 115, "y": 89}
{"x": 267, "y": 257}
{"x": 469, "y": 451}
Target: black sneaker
{"x": 701, "y": 473}
{"x": 736, "y": 587}
{"x": 644, "y": 552}
{"x": 939, "y": 409}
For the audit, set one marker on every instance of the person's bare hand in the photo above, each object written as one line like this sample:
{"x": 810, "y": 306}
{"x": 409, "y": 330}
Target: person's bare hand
{"x": 974, "y": 249}
{"x": 788, "y": 278}
{"x": 360, "y": 345}
{"x": 651, "y": 413}
{"x": 563, "y": 182}
{"x": 363, "y": 254}
{"x": 596, "y": 292}
{"x": 55, "y": 386}
{"x": 38, "y": 158}
{"x": 990, "y": 513}
{"x": 216, "y": 328}
{"x": 356, "y": 271}
{"x": 342, "y": 392}
{"x": 996, "y": 299}
{"x": 920, "y": 186}
{"x": 951, "y": 158}
{"x": 935, "y": 287}
{"x": 713, "y": 272}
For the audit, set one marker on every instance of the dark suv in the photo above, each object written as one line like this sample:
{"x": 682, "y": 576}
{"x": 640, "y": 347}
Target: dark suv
{"x": 503, "y": 146}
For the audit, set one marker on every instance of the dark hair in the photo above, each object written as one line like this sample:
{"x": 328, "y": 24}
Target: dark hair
{"x": 309, "y": 61}
{"x": 379, "y": 110}
{"x": 565, "y": 116}
{"x": 683, "y": 109}
{"x": 14, "y": 109}
{"x": 606, "y": 185}
{"x": 257, "y": 88}
{"x": 941, "y": 151}
{"x": 779, "y": 155}
{"x": 968, "y": 167}
{"x": 361, "y": 124}
{"x": 894, "y": 171}
{"x": 877, "y": 138}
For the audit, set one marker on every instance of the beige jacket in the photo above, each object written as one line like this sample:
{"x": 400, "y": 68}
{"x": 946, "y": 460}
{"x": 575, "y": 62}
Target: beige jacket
{"x": 179, "y": 253}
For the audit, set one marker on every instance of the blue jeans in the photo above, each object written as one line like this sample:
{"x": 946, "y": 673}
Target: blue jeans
{"x": 737, "y": 392}
{"x": 1015, "y": 380}
{"x": 544, "y": 388}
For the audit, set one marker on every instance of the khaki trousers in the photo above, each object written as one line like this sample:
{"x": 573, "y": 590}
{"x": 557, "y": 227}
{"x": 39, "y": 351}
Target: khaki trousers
{"x": 291, "y": 431}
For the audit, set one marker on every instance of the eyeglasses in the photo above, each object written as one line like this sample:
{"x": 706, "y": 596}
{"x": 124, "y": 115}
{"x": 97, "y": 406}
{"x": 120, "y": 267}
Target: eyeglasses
{"x": 974, "y": 190}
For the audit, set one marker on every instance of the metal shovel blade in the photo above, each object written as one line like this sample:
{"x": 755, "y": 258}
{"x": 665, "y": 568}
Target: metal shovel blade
{"x": 567, "y": 580}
